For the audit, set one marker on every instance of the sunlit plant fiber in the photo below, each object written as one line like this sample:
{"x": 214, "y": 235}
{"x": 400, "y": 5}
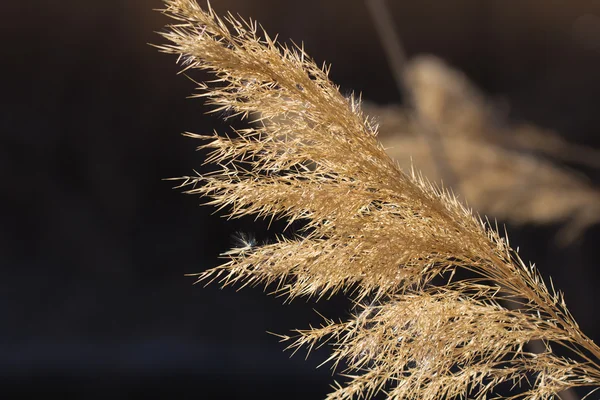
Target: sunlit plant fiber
{"x": 370, "y": 230}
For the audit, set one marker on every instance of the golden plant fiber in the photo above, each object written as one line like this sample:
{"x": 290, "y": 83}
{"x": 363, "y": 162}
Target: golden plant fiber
{"x": 370, "y": 230}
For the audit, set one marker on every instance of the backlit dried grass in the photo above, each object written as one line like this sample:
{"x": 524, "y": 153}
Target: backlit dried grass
{"x": 371, "y": 231}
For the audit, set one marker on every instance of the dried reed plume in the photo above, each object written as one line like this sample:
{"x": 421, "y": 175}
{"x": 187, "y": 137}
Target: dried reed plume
{"x": 370, "y": 231}
{"x": 504, "y": 172}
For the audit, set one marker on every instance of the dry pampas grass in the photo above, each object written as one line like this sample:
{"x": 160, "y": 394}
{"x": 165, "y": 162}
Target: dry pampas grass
{"x": 510, "y": 173}
{"x": 371, "y": 231}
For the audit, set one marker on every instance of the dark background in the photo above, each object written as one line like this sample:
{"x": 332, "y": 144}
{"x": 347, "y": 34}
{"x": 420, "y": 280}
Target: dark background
{"x": 94, "y": 244}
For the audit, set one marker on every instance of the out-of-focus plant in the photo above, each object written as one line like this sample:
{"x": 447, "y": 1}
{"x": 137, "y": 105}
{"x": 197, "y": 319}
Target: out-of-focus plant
{"x": 509, "y": 172}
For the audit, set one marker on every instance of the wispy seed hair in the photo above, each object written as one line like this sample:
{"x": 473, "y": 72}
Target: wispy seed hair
{"x": 370, "y": 230}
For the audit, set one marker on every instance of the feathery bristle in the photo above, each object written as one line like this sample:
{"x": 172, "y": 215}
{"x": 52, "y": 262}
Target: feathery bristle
{"x": 370, "y": 230}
